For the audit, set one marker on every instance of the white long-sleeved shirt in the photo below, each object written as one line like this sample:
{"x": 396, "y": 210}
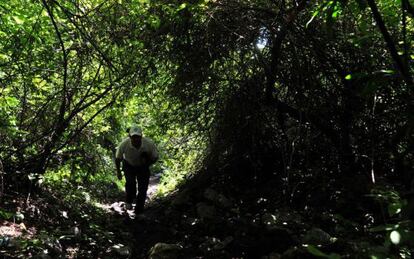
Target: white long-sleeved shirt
{"x": 134, "y": 156}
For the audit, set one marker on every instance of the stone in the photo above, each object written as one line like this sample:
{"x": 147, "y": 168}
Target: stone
{"x": 43, "y": 255}
{"x": 224, "y": 202}
{"x": 317, "y": 236}
{"x": 209, "y": 243}
{"x": 273, "y": 255}
{"x": 181, "y": 199}
{"x": 205, "y": 211}
{"x": 221, "y": 245}
{"x": 268, "y": 219}
{"x": 211, "y": 195}
{"x": 296, "y": 252}
{"x": 213, "y": 243}
{"x": 165, "y": 251}
{"x": 122, "y": 250}
{"x": 216, "y": 198}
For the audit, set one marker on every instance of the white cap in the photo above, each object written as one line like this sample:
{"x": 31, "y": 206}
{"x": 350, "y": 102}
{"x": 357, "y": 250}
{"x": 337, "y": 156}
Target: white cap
{"x": 135, "y": 130}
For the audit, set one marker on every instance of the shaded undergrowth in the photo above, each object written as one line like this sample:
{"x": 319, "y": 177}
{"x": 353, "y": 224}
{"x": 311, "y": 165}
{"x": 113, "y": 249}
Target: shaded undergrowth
{"x": 63, "y": 220}
{"x": 214, "y": 219}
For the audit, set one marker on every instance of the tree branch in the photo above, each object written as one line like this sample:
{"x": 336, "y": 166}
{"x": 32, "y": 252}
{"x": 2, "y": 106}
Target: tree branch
{"x": 87, "y": 37}
{"x": 390, "y": 44}
{"x": 408, "y": 7}
{"x": 276, "y": 46}
{"x": 327, "y": 130}
{"x": 65, "y": 61}
{"x": 79, "y": 130}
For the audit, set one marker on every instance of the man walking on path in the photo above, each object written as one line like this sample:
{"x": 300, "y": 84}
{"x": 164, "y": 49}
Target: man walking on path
{"x": 136, "y": 153}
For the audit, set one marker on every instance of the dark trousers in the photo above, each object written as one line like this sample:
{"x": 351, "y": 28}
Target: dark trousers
{"x": 134, "y": 174}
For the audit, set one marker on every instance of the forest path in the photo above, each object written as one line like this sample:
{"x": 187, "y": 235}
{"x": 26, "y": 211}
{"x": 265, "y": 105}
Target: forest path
{"x": 133, "y": 236}
{"x": 153, "y": 186}
{"x": 118, "y": 207}
{"x": 91, "y": 223}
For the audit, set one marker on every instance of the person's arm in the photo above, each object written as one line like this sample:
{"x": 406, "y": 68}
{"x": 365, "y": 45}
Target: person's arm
{"x": 118, "y": 168}
{"x": 150, "y": 155}
{"x": 153, "y": 154}
{"x": 118, "y": 158}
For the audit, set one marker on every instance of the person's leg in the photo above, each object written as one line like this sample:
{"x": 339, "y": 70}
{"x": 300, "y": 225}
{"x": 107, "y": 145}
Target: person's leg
{"x": 143, "y": 180}
{"x": 130, "y": 183}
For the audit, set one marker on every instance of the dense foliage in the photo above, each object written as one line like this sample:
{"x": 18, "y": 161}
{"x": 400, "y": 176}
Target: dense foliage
{"x": 311, "y": 99}
{"x": 309, "y": 92}
{"x": 73, "y": 79}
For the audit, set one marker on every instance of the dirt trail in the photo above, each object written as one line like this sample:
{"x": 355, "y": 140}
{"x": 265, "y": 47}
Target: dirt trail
{"x": 118, "y": 207}
{"x": 153, "y": 185}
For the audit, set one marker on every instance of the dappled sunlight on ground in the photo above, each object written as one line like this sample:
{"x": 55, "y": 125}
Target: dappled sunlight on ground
{"x": 13, "y": 230}
{"x": 118, "y": 207}
{"x": 71, "y": 220}
{"x": 153, "y": 186}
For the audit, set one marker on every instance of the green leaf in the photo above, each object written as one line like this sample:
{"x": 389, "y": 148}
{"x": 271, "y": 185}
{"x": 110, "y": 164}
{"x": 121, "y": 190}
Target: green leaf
{"x": 394, "y": 208}
{"x": 155, "y": 22}
{"x": 313, "y": 17}
{"x": 11, "y": 101}
{"x": 18, "y": 20}
{"x": 4, "y": 57}
{"x": 316, "y": 252}
{"x": 381, "y": 228}
{"x": 182, "y": 6}
{"x": 32, "y": 176}
{"x": 5, "y": 214}
{"x": 395, "y": 237}
{"x": 39, "y": 82}
{"x": 384, "y": 71}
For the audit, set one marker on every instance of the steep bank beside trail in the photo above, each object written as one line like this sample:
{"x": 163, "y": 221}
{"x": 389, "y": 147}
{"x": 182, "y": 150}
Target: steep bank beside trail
{"x": 223, "y": 220}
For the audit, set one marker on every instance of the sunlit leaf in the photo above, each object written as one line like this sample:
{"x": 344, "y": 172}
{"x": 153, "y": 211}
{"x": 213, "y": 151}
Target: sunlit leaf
{"x": 11, "y": 101}
{"x": 39, "y": 82}
{"x": 18, "y": 20}
{"x": 315, "y": 13}
{"x": 32, "y": 177}
{"x": 384, "y": 71}
{"x": 394, "y": 208}
{"x": 182, "y": 6}
{"x": 4, "y": 57}
{"x": 395, "y": 237}
{"x": 387, "y": 227}
{"x": 65, "y": 214}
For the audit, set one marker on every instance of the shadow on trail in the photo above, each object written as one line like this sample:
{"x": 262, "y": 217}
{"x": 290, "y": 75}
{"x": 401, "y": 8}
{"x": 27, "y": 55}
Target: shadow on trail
{"x": 116, "y": 204}
{"x": 136, "y": 233}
